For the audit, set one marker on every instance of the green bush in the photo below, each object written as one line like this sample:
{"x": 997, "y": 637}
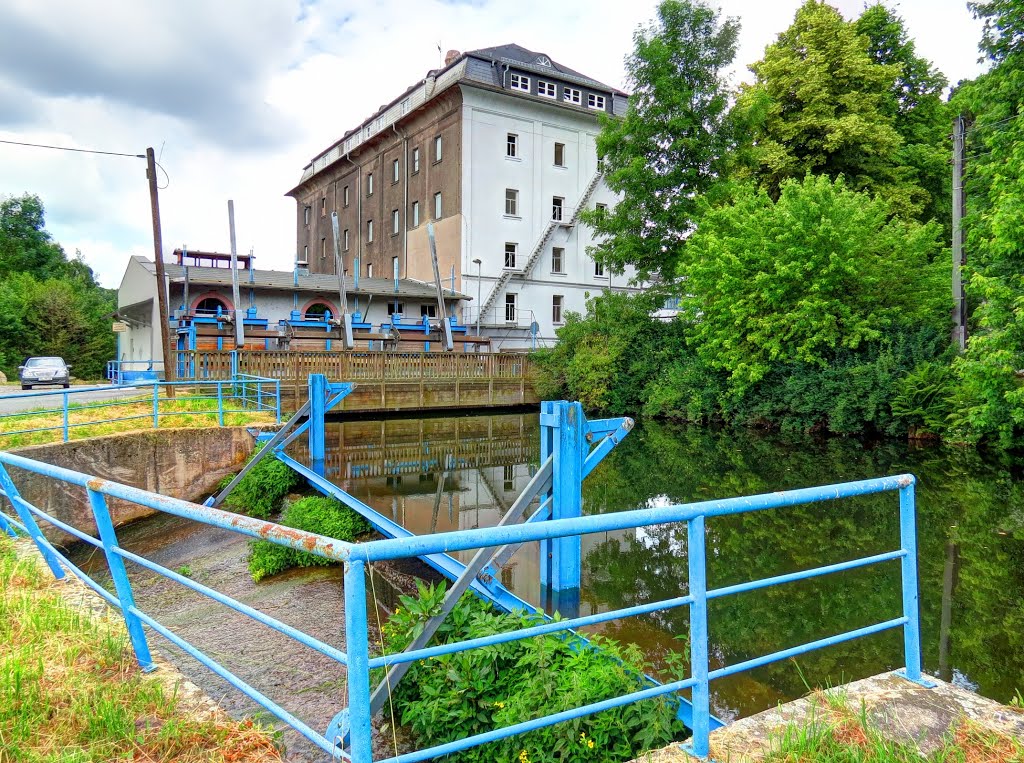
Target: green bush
{"x": 323, "y": 516}
{"x": 260, "y": 491}
{"x": 457, "y": 695}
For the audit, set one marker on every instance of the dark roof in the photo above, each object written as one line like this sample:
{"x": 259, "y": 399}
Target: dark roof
{"x": 539, "y": 62}
{"x": 284, "y": 280}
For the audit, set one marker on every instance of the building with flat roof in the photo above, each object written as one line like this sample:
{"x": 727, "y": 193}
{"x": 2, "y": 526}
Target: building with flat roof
{"x": 498, "y": 150}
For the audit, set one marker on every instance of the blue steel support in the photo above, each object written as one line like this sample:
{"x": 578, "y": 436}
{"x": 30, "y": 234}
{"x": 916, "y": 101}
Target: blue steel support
{"x": 6, "y": 528}
{"x": 123, "y": 587}
{"x": 220, "y": 404}
{"x": 357, "y": 647}
{"x": 317, "y": 411}
{"x": 156, "y": 405}
{"x": 29, "y": 522}
{"x": 911, "y": 605}
{"x": 64, "y": 420}
{"x": 567, "y": 481}
{"x": 547, "y": 448}
{"x": 698, "y": 589}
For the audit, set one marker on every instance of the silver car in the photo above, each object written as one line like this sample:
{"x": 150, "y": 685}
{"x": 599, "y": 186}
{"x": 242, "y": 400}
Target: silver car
{"x": 44, "y": 371}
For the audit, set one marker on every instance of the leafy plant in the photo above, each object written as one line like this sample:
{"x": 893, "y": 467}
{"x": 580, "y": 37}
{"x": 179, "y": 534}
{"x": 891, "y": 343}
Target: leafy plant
{"x": 923, "y": 398}
{"x": 260, "y": 491}
{"x": 315, "y": 514}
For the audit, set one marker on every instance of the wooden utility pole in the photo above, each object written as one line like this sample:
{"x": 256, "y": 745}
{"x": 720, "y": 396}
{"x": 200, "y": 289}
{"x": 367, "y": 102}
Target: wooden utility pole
{"x": 959, "y": 256}
{"x": 161, "y": 281}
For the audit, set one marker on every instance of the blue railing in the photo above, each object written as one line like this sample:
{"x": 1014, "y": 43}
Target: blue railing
{"x": 241, "y": 394}
{"x": 133, "y": 371}
{"x": 355, "y": 721}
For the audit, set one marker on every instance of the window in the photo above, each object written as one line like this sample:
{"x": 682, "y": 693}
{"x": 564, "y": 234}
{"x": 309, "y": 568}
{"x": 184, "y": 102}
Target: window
{"x": 557, "y": 203}
{"x": 508, "y": 474}
{"x": 369, "y": 184}
{"x": 395, "y": 170}
{"x": 323, "y": 206}
{"x": 556, "y": 308}
{"x": 305, "y": 215}
{"x": 512, "y": 146}
{"x": 598, "y": 269}
{"x": 559, "y": 154}
{"x": 546, "y": 89}
{"x": 511, "y": 202}
{"x": 394, "y": 222}
{"x": 415, "y": 214}
{"x": 595, "y": 101}
{"x": 428, "y": 311}
{"x": 206, "y": 306}
{"x": 601, "y": 209}
{"x": 323, "y": 247}
{"x": 369, "y": 270}
{"x": 404, "y": 105}
{"x": 317, "y": 312}
{"x": 557, "y": 259}
{"x": 519, "y": 82}
{"x": 395, "y": 308}
{"x": 344, "y": 240}
{"x": 344, "y": 195}
{"x": 305, "y": 255}
{"x": 437, "y": 205}
{"x": 394, "y": 268}
{"x": 415, "y": 161}
{"x": 369, "y": 231}
{"x": 437, "y": 148}
{"x": 510, "y": 308}
{"x": 510, "y": 254}
{"x": 572, "y": 95}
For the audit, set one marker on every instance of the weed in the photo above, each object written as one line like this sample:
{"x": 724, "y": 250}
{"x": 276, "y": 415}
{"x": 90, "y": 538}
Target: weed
{"x": 185, "y": 571}
{"x": 262, "y": 489}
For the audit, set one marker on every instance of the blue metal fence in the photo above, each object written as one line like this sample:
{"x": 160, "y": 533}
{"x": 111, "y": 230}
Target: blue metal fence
{"x": 240, "y": 394}
{"x": 356, "y": 720}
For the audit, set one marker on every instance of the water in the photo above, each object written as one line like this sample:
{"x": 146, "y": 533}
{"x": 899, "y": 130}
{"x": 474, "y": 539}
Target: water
{"x": 442, "y": 474}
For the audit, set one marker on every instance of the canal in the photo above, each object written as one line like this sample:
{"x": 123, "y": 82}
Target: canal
{"x": 439, "y": 474}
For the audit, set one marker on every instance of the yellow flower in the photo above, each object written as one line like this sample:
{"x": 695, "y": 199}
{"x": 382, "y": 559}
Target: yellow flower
{"x": 502, "y": 704}
{"x": 590, "y": 743}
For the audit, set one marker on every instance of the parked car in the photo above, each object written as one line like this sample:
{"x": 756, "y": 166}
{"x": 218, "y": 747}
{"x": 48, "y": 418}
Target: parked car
{"x": 44, "y": 371}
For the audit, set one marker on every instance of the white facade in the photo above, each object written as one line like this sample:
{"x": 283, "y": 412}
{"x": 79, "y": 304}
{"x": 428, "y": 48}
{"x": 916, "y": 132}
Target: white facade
{"x": 488, "y": 173}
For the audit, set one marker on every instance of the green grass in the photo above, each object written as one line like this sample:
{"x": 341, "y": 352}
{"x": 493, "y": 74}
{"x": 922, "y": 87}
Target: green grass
{"x": 92, "y": 419}
{"x": 70, "y": 690}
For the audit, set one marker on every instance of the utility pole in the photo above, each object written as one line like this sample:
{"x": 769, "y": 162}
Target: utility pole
{"x": 161, "y": 282}
{"x": 959, "y": 256}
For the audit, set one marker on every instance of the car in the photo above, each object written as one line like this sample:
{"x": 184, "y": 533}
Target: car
{"x": 44, "y": 371}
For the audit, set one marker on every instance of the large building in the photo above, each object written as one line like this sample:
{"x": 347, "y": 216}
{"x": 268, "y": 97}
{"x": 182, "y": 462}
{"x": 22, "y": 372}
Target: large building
{"x": 497, "y": 150}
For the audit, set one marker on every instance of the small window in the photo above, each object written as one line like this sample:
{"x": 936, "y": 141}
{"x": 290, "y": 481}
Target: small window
{"x": 559, "y": 154}
{"x": 509, "y": 476}
{"x": 601, "y": 209}
{"x": 512, "y": 146}
{"x": 394, "y": 268}
{"x": 510, "y": 254}
{"x": 510, "y": 308}
{"x": 595, "y": 101}
{"x": 323, "y": 206}
{"x": 344, "y": 195}
{"x": 369, "y": 231}
{"x": 404, "y": 106}
{"x": 437, "y": 206}
{"x": 415, "y": 214}
{"x": 519, "y": 82}
{"x": 415, "y": 161}
{"x": 305, "y": 215}
{"x": 437, "y": 148}
{"x": 369, "y": 270}
{"x": 598, "y": 269}
{"x": 396, "y": 308}
{"x": 305, "y": 255}
{"x": 317, "y": 312}
{"x": 428, "y": 311}
{"x": 557, "y": 259}
{"x": 511, "y": 202}
{"x": 557, "y": 203}
{"x": 369, "y": 184}
{"x": 394, "y": 222}
{"x": 556, "y": 308}
{"x": 323, "y": 248}
{"x": 546, "y": 89}
{"x": 344, "y": 240}
{"x": 572, "y": 95}
{"x": 395, "y": 171}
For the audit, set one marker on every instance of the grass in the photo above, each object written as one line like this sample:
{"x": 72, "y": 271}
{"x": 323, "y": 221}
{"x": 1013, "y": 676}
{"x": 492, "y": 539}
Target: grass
{"x": 70, "y": 690}
{"x": 93, "y": 419}
{"x": 837, "y": 734}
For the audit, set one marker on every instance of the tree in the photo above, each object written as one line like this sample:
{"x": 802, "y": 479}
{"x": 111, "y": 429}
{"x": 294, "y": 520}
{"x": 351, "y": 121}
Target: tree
{"x": 821, "y": 269}
{"x": 821, "y": 104}
{"x": 25, "y": 245}
{"x": 669, "y": 148}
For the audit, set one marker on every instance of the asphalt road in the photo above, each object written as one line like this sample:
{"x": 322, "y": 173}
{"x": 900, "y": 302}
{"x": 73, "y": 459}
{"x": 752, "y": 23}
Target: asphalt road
{"x": 38, "y": 398}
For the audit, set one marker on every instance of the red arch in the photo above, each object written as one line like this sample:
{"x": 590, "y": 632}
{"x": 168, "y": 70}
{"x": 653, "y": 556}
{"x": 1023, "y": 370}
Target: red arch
{"x": 320, "y": 301}
{"x": 211, "y": 295}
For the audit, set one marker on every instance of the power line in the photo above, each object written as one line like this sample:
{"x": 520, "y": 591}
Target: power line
{"x": 78, "y": 150}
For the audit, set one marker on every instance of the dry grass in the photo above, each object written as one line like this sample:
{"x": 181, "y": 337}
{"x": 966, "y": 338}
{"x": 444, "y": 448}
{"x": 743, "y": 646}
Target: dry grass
{"x": 70, "y": 689}
{"x": 93, "y": 419}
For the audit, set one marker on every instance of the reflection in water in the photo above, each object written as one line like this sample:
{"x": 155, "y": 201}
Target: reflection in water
{"x": 435, "y": 475}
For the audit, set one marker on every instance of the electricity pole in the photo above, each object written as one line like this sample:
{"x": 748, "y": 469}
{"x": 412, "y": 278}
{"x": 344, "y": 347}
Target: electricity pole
{"x": 161, "y": 282}
{"x": 959, "y": 256}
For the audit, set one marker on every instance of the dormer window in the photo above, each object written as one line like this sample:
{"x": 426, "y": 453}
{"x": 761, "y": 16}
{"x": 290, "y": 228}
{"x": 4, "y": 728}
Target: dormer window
{"x": 572, "y": 95}
{"x": 519, "y": 82}
{"x": 595, "y": 101}
{"x": 547, "y": 89}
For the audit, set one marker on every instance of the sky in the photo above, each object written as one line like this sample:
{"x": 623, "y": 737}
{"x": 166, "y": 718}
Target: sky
{"x": 237, "y": 96}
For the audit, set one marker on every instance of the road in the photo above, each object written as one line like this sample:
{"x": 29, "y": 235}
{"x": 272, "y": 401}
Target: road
{"x": 38, "y": 398}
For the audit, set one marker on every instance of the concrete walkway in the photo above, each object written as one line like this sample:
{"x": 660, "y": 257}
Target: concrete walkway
{"x": 901, "y": 711}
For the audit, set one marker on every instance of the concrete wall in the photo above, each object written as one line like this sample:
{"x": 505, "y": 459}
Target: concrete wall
{"x": 181, "y": 463}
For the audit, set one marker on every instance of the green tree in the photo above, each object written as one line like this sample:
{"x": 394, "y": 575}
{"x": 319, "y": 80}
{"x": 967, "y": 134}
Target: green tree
{"x": 25, "y": 245}
{"x": 795, "y": 280}
{"x": 670, "y": 146}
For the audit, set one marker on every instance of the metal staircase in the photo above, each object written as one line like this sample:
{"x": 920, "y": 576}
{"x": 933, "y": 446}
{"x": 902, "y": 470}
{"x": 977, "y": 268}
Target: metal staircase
{"x": 538, "y": 249}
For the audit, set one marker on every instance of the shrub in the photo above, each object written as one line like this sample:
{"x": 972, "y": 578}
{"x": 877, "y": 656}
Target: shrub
{"x": 323, "y": 516}
{"x": 260, "y": 491}
{"x": 458, "y": 695}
